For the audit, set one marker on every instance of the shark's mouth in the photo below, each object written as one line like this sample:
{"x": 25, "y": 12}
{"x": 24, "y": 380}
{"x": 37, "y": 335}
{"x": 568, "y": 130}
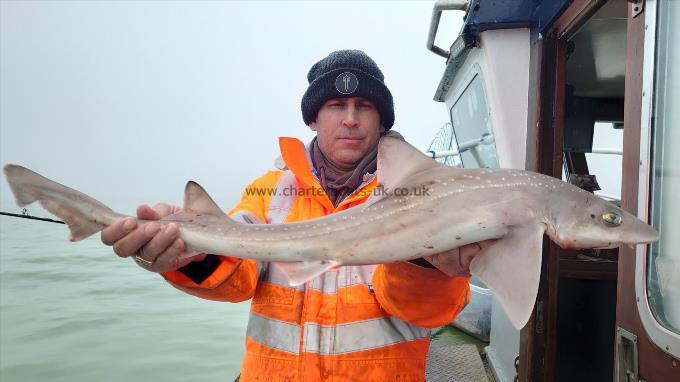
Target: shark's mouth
{"x": 609, "y": 246}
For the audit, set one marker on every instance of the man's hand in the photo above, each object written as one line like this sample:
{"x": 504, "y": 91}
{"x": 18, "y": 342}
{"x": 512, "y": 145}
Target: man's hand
{"x": 456, "y": 262}
{"x": 154, "y": 248}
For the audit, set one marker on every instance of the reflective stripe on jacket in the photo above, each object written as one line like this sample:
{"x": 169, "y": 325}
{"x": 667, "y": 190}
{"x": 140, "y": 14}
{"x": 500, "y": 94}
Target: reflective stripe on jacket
{"x": 353, "y": 323}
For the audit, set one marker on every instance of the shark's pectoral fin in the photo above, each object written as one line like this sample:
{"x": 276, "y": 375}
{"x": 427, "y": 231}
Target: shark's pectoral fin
{"x": 300, "y": 272}
{"x": 511, "y": 268}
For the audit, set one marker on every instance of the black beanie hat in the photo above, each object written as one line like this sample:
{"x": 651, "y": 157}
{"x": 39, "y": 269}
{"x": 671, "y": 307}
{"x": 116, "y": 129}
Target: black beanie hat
{"x": 347, "y": 73}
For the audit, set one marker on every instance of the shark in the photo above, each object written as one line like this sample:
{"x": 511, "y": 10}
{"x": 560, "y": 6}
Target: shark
{"x": 423, "y": 208}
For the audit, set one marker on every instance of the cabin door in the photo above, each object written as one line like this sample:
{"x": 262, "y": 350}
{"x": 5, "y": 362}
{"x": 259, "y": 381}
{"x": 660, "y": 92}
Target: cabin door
{"x": 608, "y": 315}
{"x": 648, "y": 301}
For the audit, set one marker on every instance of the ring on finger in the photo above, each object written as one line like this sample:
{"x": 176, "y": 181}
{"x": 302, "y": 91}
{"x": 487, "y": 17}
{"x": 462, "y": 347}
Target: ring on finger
{"x": 142, "y": 261}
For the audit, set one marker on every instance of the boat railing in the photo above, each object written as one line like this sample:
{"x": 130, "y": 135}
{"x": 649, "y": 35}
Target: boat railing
{"x": 439, "y": 7}
{"x": 485, "y": 139}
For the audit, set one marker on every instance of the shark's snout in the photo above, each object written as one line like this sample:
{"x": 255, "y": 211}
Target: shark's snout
{"x": 641, "y": 234}
{"x": 600, "y": 225}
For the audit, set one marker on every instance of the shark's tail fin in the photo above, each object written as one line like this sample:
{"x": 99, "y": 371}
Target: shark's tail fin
{"x": 84, "y": 215}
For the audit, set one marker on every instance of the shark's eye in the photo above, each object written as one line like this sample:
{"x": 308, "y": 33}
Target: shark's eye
{"x": 612, "y": 219}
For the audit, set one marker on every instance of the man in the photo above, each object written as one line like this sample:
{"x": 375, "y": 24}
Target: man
{"x": 353, "y": 323}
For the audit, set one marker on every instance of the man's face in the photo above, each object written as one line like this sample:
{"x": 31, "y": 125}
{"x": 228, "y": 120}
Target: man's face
{"x": 347, "y": 129}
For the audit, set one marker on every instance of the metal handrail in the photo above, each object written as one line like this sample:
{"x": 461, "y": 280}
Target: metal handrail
{"x": 436, "y": 154}
{"x": 439, "y": 6}
{"x": 603, "y": 150}
{"x": 485, "y": 139}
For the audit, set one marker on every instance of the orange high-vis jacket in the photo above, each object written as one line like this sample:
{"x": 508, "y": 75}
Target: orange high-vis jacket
{"x": 353, "y": 323}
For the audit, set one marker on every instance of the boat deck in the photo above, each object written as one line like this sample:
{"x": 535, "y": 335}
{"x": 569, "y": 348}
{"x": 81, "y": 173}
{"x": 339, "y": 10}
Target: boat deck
{"x": 456, "y": 357}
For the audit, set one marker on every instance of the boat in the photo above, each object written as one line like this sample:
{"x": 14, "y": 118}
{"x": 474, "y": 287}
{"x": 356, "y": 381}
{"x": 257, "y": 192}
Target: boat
{"x": 582, "y": 90}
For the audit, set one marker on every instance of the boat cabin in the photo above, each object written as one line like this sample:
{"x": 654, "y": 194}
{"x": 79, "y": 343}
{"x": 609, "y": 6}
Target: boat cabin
{"x": 586, "y": 91}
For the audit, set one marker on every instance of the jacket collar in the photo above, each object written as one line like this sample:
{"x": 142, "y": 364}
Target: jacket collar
{"x": 296, "y": 157}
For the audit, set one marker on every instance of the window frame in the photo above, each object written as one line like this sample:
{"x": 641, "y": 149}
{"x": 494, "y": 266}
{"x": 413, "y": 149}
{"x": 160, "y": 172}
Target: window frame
{"x": 664, "y": 338}
{"x": 474, "y": 72}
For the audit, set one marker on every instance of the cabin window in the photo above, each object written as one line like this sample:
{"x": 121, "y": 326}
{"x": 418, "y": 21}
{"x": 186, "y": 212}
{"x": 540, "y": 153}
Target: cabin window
{"x": 605, "y": 159}
{"x": 663, "y": 267}
{"x": 472, "y": 127}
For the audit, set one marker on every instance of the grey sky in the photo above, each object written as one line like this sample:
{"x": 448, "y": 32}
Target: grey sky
{"x": 126, "y": 101}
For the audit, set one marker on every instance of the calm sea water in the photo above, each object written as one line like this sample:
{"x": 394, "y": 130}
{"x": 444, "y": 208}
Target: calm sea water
{"x": 76, "y": 312}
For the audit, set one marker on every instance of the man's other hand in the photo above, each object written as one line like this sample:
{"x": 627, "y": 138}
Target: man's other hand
{"x": 154, "y": 248}
{"x": 456, "y": 262}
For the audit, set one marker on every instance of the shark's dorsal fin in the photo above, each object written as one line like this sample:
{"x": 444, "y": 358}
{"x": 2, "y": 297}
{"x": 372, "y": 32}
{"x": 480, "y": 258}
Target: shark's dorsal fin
{"x": 197, "y": 200}
{"x": 398, "y": 160}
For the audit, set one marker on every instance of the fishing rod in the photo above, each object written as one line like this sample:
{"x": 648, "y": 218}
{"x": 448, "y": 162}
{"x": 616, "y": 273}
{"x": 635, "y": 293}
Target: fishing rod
{"x": 24, "y": 215}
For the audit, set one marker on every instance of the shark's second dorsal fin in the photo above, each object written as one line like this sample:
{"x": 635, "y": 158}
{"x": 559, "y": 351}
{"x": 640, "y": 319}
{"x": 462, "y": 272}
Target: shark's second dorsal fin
{"x": 197, "y": 200}
{"x": 398, "y": 160}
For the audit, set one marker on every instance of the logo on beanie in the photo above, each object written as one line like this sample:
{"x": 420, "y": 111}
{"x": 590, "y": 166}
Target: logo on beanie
{"x": 346, "y": 83}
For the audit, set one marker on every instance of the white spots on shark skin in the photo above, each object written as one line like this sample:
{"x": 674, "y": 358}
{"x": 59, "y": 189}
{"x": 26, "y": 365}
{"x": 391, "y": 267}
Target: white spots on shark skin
{"x": 245, "y": 242}
{"x": 406, "y": 203}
